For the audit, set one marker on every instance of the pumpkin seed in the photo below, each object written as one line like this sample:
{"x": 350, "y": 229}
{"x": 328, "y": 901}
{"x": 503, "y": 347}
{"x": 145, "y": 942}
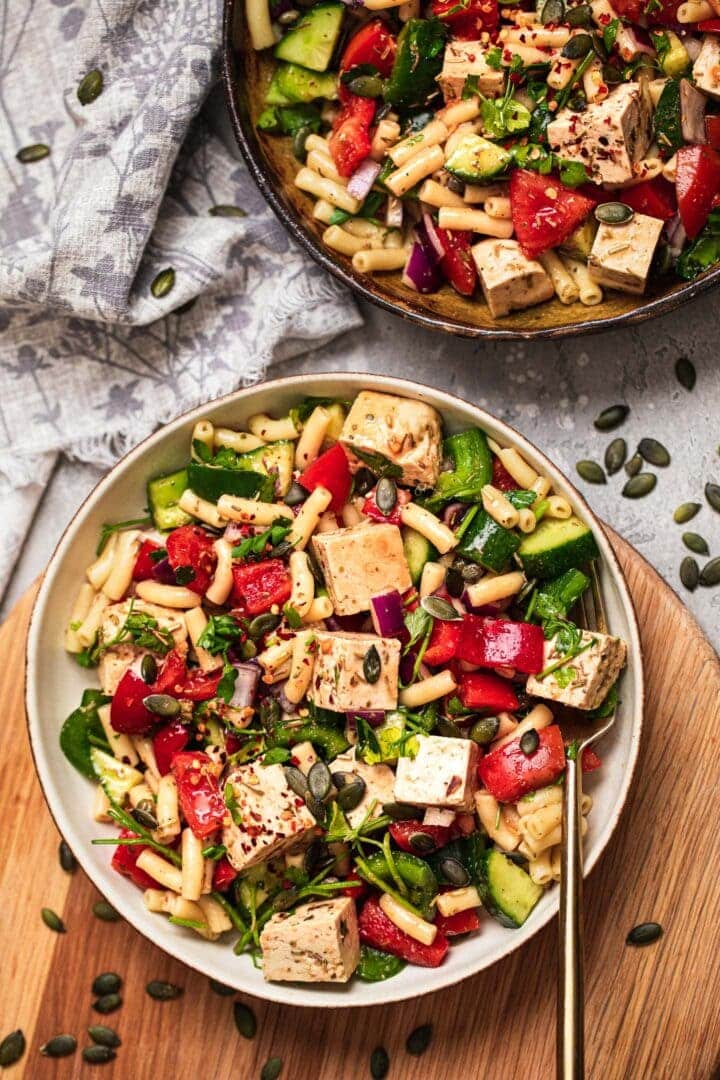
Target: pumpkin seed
{"x": 484, "y": 731}
{"x": 36, "y": 152}
{"x": 104, "y": 1036}
{"x": 591, "y": 472}
{"x": 422, "y": 843}
{"x": 351, "y": 795}
{"x": 654, "y": 452}
{"x": 400, "y": 811}
{"x": 53, "y": 921}
{"x": 319, "y": 780}
{"x": 454, "y": 583}
{"x": 447, "y": 727}
{"x": 221, "y": 989}
{"x": 296, "y": 780}
{"x": 106, "y": 912}
{"x": 299, "y": 142}
{"x": 262, "y": 625}
{"x": 149, "y": 668}
{"x": 163, "y": 991}
{"x": 372, "y": 665}
{"x": 471, "y": 572}
{"x": 162, "y": 705}
{"x": 107, "y": 1003}
{"x": 12, "y": 1048}
{"x": 439, "y": 609}
{"x": 685, "y": 372}
{"x": 634, "y": 465}
{"x": 695, "y": 542}
{"x": 144, "y": 814}
{"x": 316, "y": 808}
{"x": 454, "y": 871}
{"x": 639, "y": 485}
{"x": 386, "y": 495}
{"x": 419, "y": 1039}
{"x": 271, "y": 1069}
{"x": 553, "y": 11}
{"x": 109, "y": 982}
{"x": 379, "y": 1063}
{"x": 296, "y": 495}
{"x": 67, "y": 860}
{"x": 90, "y": 88}
{"x": 226, "y": 210}
{"x": 612, "y": 417}
{"x": 59, "y": 1046}
{"x": 689, "y": 573}
{"x": 98, "y": 1055}
{"x": 615, "y": 456}
{"x": 613, "y": 213}
{"x": 712, "y": 494}
{"x": 577, "y": 47}
{"x": 579, "y": 16}
{"x": 162, "y": 283}
{"x": 245, "y": 1020}
{"x": 710, "y": 573}
{"x": 364, "y": 481}
{"x": 644, "y": 934}
{"x": 366, "y": 86}
{"x": 529, "y": 742}
{"x": 685, "y": 512}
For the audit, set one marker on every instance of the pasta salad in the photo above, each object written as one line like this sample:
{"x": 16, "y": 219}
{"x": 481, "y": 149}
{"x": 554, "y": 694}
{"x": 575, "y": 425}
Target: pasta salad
{"x": 535, "y": 151}
{"x": 331, "y": 664}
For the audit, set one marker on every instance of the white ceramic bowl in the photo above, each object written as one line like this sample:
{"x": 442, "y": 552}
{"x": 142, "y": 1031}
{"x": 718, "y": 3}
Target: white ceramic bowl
{"x": 55, "y": 683}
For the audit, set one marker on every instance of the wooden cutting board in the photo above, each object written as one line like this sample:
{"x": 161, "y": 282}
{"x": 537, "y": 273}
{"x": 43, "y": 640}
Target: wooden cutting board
{"x": 652, "y": 1013}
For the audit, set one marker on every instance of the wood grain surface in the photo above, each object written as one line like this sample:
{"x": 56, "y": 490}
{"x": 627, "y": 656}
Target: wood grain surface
{"x": 651, "y": 1013}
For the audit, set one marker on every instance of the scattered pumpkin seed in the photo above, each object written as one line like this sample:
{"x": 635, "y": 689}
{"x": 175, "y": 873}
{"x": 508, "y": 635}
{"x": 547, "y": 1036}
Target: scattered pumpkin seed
{"x": 644, "y": 934}
{"x": 144, "y": 814}
{"x": 379, "y": 1063}
{"x": 591, "y": 472}
{"x": 454, "y": 871}
{"x": 685, "y": 512}
{"x": 372, "y": 665}
{"x": 36, "y": 152}
{"x": 634, "y": 465}
{"x": 439, "y": 608}
{"x": 654, "y": 452}
{"x": 529, "y": 742}
{"x": 163, "y": 991}
{"x": 579, "y": 16}
{"x": 319, "y": 780}
{"x": 454, "y": 583}
{"x": 221, "y": 989}
{"x": 612, "y": 417}
{"x": 296, "y": 495}
{"x": 107, "y": 1003}
{"x": 553, "y": 12}
{"x": 106, "y": 912}
{"x": 262, "y": 625}
{"x": 109, "y": 982}
{"x": 53, "y": 921}
{"x": 316, "y": 807}
{"x": 90, "y": 88}
{"x": 712, "y": 494}
{"x": 67, "y": 860}
{"x": 422, "y": 843}
{"x": 104, "y": 1036}
{"x": 149, "y": 668}
{"x": 471, "y": 572}
{"x": 98, "y": 1055}
{"x": 364, "y": 481}
{"x": 296, "y": 780}
{"x": 299, "y": 143}
{"x": 226, "y": 210}
{"x": 613, "y": 213}
{"x": 163, "y": 282}
{"x": 615, "y": 456}
{"x": 271, "y": 1069}
{"x": 639, "y": 485}
{"x": 689, "y": 573}
{"x": 386, "y": 495}
{"x": 59, "y": 1046}
{"x": 685, "y": 372}
{"x": 419, "y": 1039}
{"x": 695, "y": 542}
{"x": 577, "y": 47}
{"x": 245, "y": 1020}
{"x": 162, "y": 705}
{"x": 400, "y": 811}
{"x": 12, "y": 1048}
{"x": 484, "y": 730}
{"x": 351, "y": 795}
{"x": 710, "y": 573}
{"x": 447, "y": 727}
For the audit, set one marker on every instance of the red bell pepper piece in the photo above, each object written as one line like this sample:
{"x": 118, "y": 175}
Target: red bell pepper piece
{"x": 501, "y": 478}
{"x": 501, "y": 643}
{"x": 169, "y": 740}
{"x": 223, "y": 875}
{"x": 401, "y": 831}
{"x": 144, "y": 565}
{"x": 257, "y": 586}
{"x": 201, "y": 686}
{"x": 128, "y": 715}
{"x": 712, "y": 127}
{"x": 653, "y": 197}
{"x": 697, "y": 182}
{"x": 457, "y": 264}
{"x": 590, "y": 760}
{"x": 357, "y": 892}
{"x": 372, "y": 510}
{"x": 709, "y": 26}
{"x": 172, "y": 676}
{"x": 469, "y": 19}
{"x": 372, "y": 44}
{"x": 125, "y": 859}
{"x": 508, "y": 773}
{"x": 201, "y": 800}
{"x": 190, "y": 546}
{"x": 350, "y": 140}
{"x": 377, "y": 930}
{"x": 479, "y": 691}
{"x": 444, "y": 641}
{"x": 544, "y": 210}
{"x": 462, "y": 922}
{"x": 332, "y": 471}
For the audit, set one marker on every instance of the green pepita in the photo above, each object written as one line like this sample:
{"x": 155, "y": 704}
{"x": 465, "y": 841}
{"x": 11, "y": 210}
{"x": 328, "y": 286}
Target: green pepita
{"x": 449, "y": 729}
{"x": 163, "y": 991}
{"x": 296, "y": 495}
{"x": 12, "y": 1048}
{"x": 367, "y": 86}
{"x": 105, "y": 912}
{"x": 654, "y": 452}
{"x": 148, "y": 668}
{"x": 644, "y": 934}
{"x": 300, "y": 138}
{"x": 67, "y": 860}
{"x": 316, "y": 808}
{"x": 144, "y": 814}
{"x": 529, "y": 742}
{"x": 454, "y": 583}
{"x": 612, "y": 417}
{"x": 685, "y": 372}
{"x": 271, "y": 1069}
{"x": 613, "y": 213}
{"x": 98, "y": 1055}
{"x": 107, "y": 1003}
{"x": 419, "y": 1039}
{"x": 245, "y": 1020}
{"x": 615, "y": 456}
{"x": 577, "y": 47}
{"x": 372, "y": 665}
{"x": 163, "y": 282}
{"x": 319, "y": 780}
{"x": 712, "y": 494}
{"x": 400, "y": 811}
{"x": 689, "y": 573}
{"x": 633, "y": 465}
{"x": 53, "y": 921}
{"x": 591, "y": 472}
{"x": 379, "y": 1063}
{"x": 471, "y": 572}
{"x": 386, "y": 495}
{"x": 90, "y": 88}
{"x": 36, "y": 152}
{"x": 579, "y": 16}
{"x": 710, "y": 573}
{"x": 59, "y": 1046}
{"x": 685, "y": 512}
{"x": 552, "y": 13}
{"x": 422, "y": 843}
{"x": 221, "y": 989}
{"x": 695, "y": 542}
{"x": 226, "y": 210}
{"x": 104, "y": 1036}
{"x": 639, "y": 485}
{"x": 364, "y": 481}
{"x": 162, "y": 705}
{"x": 439, "y": 608}
{"x": 109, "y": 982}
{"x": 484, "y": 730}
{"x": 262, "y": 625}
{"x": 351, "y": 794}
{"x": 454, "y": 871}
{"x": 296, "y": 780}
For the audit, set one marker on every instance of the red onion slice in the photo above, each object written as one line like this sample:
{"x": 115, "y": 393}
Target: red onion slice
{"x": 363, "y": 178}
{"x": 387, "y": 614}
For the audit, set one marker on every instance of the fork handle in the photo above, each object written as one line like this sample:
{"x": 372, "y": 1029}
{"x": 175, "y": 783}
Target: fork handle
{"x": 571, "y": 991}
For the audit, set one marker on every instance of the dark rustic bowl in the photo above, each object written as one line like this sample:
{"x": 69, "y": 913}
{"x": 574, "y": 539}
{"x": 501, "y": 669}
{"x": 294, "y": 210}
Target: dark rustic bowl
{"x": 271, "y": 163}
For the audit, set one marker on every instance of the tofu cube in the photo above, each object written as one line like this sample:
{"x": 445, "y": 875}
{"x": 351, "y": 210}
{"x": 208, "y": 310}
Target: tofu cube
{"x": 379, "y": 782}
{"x": 509, "y": 280}
{"x": 465, "y": 59}
{"x": 338, "y": 681}
{"x": 406, "y": 432}
{"x": 115, "y": 662}
{"x": 361, "y": 562}
{"x": 609, "y": 137}
{"x": 621, "y": 255}
{"x": 443, "y": 773}
{"x": 706, "y": 69}
{"x": 273, "y": 817}
{"x": 318, "y": 942}
{"x": 584, "y": 681}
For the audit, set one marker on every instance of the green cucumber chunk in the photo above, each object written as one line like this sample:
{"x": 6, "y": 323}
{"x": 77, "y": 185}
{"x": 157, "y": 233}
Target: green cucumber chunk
{"x": 555, "y": 598}
{"x": 312, "y": 40}
{"x": 472, "y": 469}
{"x": 417, "y": 551}
{"x": 212, "y": 481}
{"x": 376, "y": 966}
{"x": 163, "y": 494}
{"x": 418, "y": 62}
{"x": 507, "y": 891}
{"x": 276, "y": 459}
{"x": 556, "y": 546}
{"x": 487, "y": 543}
{"x": 475, "y": 159}
{"x": 667, "y": 122}
{"x": 298, "y": 85}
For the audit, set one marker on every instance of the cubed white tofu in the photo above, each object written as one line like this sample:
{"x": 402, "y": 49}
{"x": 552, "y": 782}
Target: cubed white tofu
{"x": 510, "y": 281}
{"x": 318, "y": 942}
{"x": 404, "y": 430}
{"x": 361, "y": 562}
{"x": 609, "y": 137}
{"x": 468, "y": 59}
{"x": 339, "y": 682}
{"x": 433, "y": 816}
{"x": 115, "y": 662}
{"x": 443, "y": 773}
{"x": 273, "y": 817}
{"x": 584, "y": 681}
{"x": 379, "y": 781}
{"x": 706, "y": 69}
{"x": 622, "y": 254}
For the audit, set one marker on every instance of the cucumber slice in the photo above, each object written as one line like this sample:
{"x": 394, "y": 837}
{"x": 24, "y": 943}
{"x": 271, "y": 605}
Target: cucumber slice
{"x": 277, "y": 460}
{"x": 556, "y": 546}
{"x": 507, "y": 891}
{"x": 115, "y": 776}
{"x": 487, "y": 543}
{"x": 274, "y": 95}
{"x": 296, "y": 84}
{"x": 475, "y": 159}
{"x": 312, "y": 40}
{"x": 418, "y": 62}
{"x": 163, "y": 494}
{"x": 418, "y": 551}
{"x": 212, "y": 481}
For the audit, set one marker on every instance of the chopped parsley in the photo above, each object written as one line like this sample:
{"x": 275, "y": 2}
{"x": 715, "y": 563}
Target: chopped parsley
{"x": 107, "y": 530}
{"x": 254, "y": 547}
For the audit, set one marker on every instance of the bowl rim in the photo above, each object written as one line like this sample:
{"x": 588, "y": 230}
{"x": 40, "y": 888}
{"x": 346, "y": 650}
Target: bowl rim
{"x": 297, "y": 227}
{"x": 383, "y": 383}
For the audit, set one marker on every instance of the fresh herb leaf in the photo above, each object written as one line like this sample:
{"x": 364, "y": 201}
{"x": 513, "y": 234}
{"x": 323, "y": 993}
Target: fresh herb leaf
{"x": 219, "y": 634}
{"x": 564, "y": 676}
{"x": 493, "y": 58}
{"x": 253, "y": 547}
{"x": 278, "y": 755}
{"x": 293, "y": 617}
{"x": 368, "y": 747}
{"x": 417, "y": 623}
{"x": 142, "y": 630}
{"x": 378, "y": 463}
{"x": 567, "y": 635}
{"x": 505, "y": 116}
{"x": 214, "y": 851}
{"x": 202, "y": 451}
{"x": 232, "y": 803}
{"x": 184, "y": 575}
{"x": 226, "y": 686}
{"x": 471, "y": 87}
{"x": 703, "y": 252}
{"x": 610, "y": 32}
{"x": 107, "y": 530}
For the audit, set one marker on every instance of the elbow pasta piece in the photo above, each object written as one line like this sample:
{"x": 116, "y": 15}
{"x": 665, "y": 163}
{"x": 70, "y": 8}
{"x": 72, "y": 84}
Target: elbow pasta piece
{"x": 409, "y": 9}
{"x": 203, "y": 432}
{"x": 303, "y": 582}
{"x": 695, "y": 11}
{"x": 169, "y": 596}
{"x": 305, "y": 523}
{"x": 415, "y": 169}
{"x": 257, "y": 13}
{"x": 498, "y": 206}
{"x": 457, "y": 900}
{"x": 272, "y": 430}
{"x": 437, "y": 195}
{"x": 561, "y": 72}
{"x": 101, "y": 806}
{"x": 121, "y": 746}
{"x": 141, "y": 793}
{"x": 337, "y": 239}
{"x": 431, "y": 527}
{"x": 407, "y": 921}
{"x": 474, "y": 221}
{"x": 275, "y": 660}
{"x": 508, "y": 723}
{"x": 480, "y": 193}
{"x": 351, "y": 515}
{"x": 529, "y": 54}
{"x": 241, "y": 441}
{"x": 323, "y": 188}
{"x": 432, "y": 134}
{"x": 537, "y": 36}
{"x": 193, "y": 865}
{"x": 427, "y": 690}
{"x": 252, "y": 512}
{"x": 386, "y": 134}
{"x": 98, "y": 572}
{"x": 499, "y": 507}
{"x": 222, "y": 582}
{"x": 558, "y": 507}
{"x": 323, "y": 211}
{"x": 301, "y": 667}
{"x": 433, "y": 576}
{"x": 79, "y": 612}
{"x": 527, "y": 521}
{"x": 123, "y": 564}
{"x": 589, "y": 290}
{"x": 161, "y": 870}
{"x": 499, "y": 827}
{"x": 564, "y": 284}
{"x": 215, "y": 915}
{"x": 196, "y": 621}
{"x": 370, "y": 261}
{"x": 542, "y": 821}
{"x": 523, "y": 474}
{"x": 382, "y": 5}
{"x": 312, "y": 436}
{"x": 204, "y": 511}
{"x": 542, "y": 486}
{"x": 490, "y": 589}
{"x": 460, "y": 112}
{"x": 167, "y": 810}
{"x": 547, "y": 796}
{"x": 88, "y": 631}
{"x": 540, "y": 868}
{"x": 321, "y": 608}
{"x": 317, "y": 142}
{"x": 325, "y": 166}
{"x": 538, "y": 718}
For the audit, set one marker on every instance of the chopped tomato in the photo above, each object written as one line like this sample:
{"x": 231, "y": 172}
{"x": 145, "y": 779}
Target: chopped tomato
{"x": 490, "y": 693}
{"x": 199, "y": 793}
{"x": 709, "y": 26}
{"x": 462, "y": 922}
{"x": 498, "y": 643}
{"x": 444, "y": 641}
{"x": 257, "y": 586}
{"x": 655, "y": 197}
{"x": 172, "y": 676}
{"x": 372, "y": 44}
{"x": 191, "y": 549}
{"x": 357, "y": 892}
{"x": 377, "y": 930}
{"x": 402, "y": 833}
{"x": 125, "y": 859}
{"x": 509, "y": 773}
{"x": 467, "y": 19}
{"x": 544, "y": 211}
{"x": 332, "y": 471}
{"x": 697, "y": 183}
{"x": 144, "y": 565}
{"x": 169, "y": 740}
{"x": 201, "y": 686}
{"x": 350, "y": 140}
{"x": 372, "y": 510}
{"x": 712, "y": 129}
{"x": 128, "y": 715}
{"x": 223, "y": 875}
{"x": 457, "y": 265}
{"x": 501, "y": 478}
{"x": 590, "y": 760}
